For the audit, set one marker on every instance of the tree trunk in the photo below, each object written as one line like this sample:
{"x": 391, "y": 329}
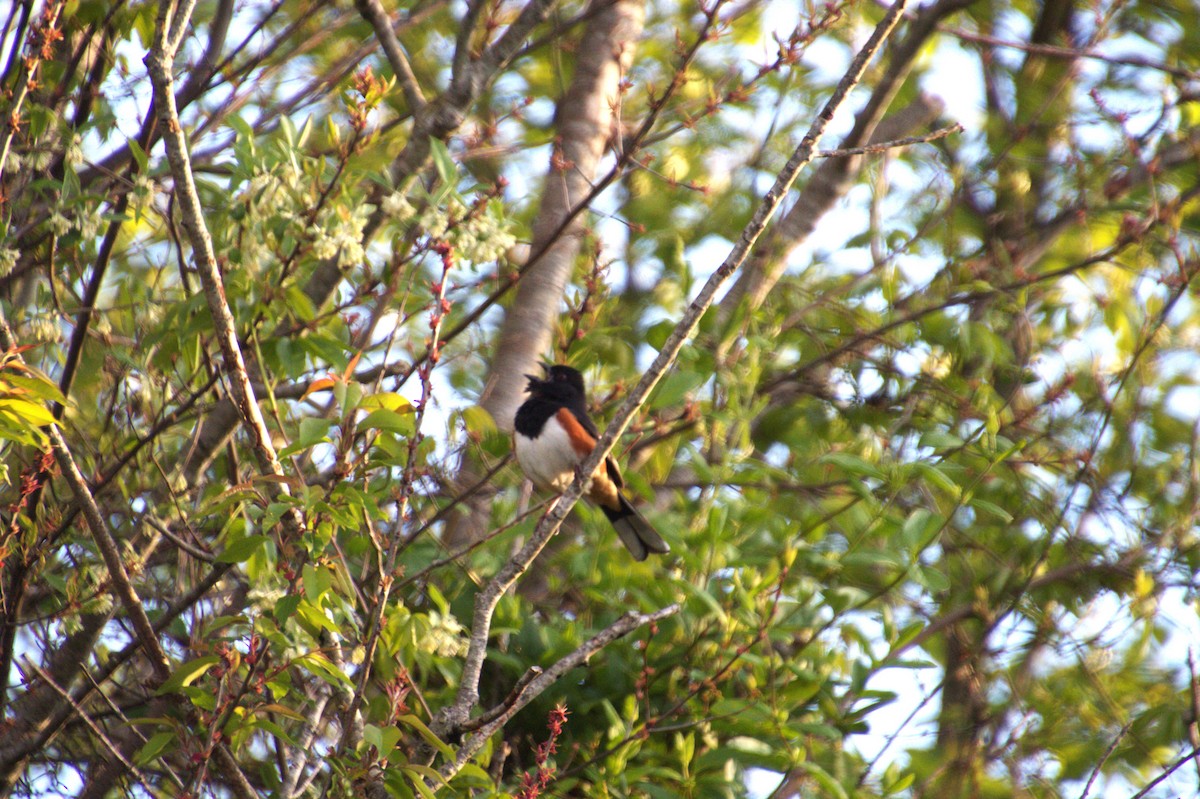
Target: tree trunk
{"x": 587, "y": 119}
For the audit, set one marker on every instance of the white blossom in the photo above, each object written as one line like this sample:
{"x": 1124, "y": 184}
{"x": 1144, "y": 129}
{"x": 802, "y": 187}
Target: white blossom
{"x": 445, "y": 636}
{"x": 59, "y": 224}
{"x": 397, "y": 206}
{"x": 8, "y": 259}
{"x": 74, "y": 152}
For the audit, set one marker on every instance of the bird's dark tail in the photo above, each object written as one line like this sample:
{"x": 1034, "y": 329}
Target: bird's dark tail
{"x": 635, "y": 532}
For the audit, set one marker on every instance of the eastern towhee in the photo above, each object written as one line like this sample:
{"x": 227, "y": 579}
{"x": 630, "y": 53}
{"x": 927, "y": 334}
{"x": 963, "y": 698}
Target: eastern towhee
{"x": 552, "y": 436}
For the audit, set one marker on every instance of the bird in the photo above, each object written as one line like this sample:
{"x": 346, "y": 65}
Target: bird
{"x": 552, "y": 436}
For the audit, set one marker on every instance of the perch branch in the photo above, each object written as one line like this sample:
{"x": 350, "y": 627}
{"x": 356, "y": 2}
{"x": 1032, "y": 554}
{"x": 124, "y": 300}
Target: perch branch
{"x": 529, "y": 688}
{"x": 451, "y": 719}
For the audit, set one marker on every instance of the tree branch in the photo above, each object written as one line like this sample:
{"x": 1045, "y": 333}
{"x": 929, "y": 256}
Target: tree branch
{"x": 532, "y": 688}
{"x": 452, "y": 717}
{"x": 372, "y": 11}
{"x": 892, "y": 144}
{"x": 91, "y": 725}
{"x": 169, "y": 29}
{"x": 834, "y": 178}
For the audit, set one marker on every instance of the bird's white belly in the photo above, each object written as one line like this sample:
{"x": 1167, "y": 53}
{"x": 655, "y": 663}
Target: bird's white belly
{"x": 548, "y": 460}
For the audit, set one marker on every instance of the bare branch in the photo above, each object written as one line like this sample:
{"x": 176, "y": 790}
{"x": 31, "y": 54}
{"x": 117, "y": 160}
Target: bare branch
{"x": 91, "y": 725}
{"x": 540, "y": 682}
{"x": 105, "y": 542}
{"x": 111, "y": 554}
{"x": 834, "y": 177}
{"x": 1116, "y": 741}
{"x": 513, "y": 697}
{"x": 884, "y": 146}
{"x": 160, "y": 60}
{"x": 372, "y": 11}
{"x": 1171, "y": 769}
{"x": 1071, "y": 53}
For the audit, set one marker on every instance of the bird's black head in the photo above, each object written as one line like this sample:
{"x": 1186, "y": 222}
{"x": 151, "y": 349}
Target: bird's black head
{"x": 562, "y": 382}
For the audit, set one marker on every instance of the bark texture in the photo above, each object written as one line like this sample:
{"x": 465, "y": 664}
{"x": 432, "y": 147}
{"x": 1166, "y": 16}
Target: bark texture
{"x": 588, "y": 117}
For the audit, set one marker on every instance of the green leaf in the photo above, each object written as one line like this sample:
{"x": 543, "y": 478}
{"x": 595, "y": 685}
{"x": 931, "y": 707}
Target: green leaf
{"x": 418, "y": 781}
{"x": 288, "y": 128}
{"x": 932, "y": 578}
{"x": 13, "y": 430}
{"x": 676, "y": 386}
{"x": 384, "y": 419}
{"x": 388, "y": 400}
{"x": 940, "y": 439}
{"x": 242, "y": 549}
{"x": 426, "y": 733}
{"x": 823, "y": 778}
{"x": 312, "y": 431}
{"x": 478, "y": 421}
{"x": 991, "y": 508}
{"x": 157, "y": 744}
{"x": 30, "y": 412}
{"x": 474, "y": 776}
{"x": 299, "y": 303}
{"x": 186, "y": 674}
{"x": 939, "y": 478}
{"x": 202, "y": 698}
{"x": 384, "y": 739}
{"x": 919, "y": 528}
{"x": 442, "y": 160}
{"x": 657, "y": 334}
{"x": 853, "y": 464}
{"x": 257, "y": 722}
{"x": 139, "y": 155}
{"x": 285, "y": 607}
{"x": 317, "y": 580}
{"x": 705, "y": 600}
{"x": 35, "y": 383}
{"x": 899, "y": 785}
{"x": 319, "y": 666}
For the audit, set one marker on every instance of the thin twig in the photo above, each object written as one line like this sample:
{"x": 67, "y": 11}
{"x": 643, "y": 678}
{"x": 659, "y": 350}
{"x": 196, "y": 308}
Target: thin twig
{"x": 91, "y": 725}
{"x": 1168, "y": 772}
{"x": 1112, "y": 747}
{"x": 894, "y": 143}
{"x": 1194, "y": 724}
{"x": 437, "y": 315}
{"x": 100, "y": 533}
{"x": 189, "y": 548}
{"x": 1055, "y": 51}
